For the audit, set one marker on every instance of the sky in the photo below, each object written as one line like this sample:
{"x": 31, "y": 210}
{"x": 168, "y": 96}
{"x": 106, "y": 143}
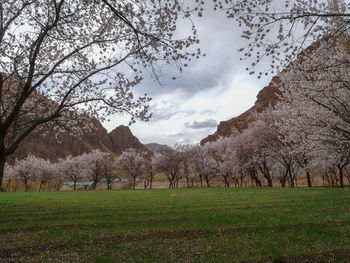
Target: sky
{"x": 212, "y": 89}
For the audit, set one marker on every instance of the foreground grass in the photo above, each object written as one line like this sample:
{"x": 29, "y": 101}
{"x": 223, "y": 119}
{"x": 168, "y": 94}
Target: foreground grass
{"x": 184, "y": 225}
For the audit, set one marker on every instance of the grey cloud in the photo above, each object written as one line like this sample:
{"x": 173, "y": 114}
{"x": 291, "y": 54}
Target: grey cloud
{"x": 207, "y": 77}
{"x": 220, "y": 44}
{"x": 164, "y": 116}
{"x": 210, "y": 123}
{"x": 165, "y": 113}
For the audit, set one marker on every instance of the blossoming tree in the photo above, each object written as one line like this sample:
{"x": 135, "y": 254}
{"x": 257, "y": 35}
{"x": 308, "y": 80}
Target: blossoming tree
{"x": 62, "y": 58}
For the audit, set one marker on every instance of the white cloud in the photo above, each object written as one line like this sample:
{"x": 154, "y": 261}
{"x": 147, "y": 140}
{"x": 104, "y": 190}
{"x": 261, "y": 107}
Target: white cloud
{"x": 215, "y": 87}
{"x": 174, "y": 111}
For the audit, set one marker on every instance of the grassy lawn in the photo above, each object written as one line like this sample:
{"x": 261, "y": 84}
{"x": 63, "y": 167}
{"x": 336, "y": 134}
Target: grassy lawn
{"x": 184, "y": 225}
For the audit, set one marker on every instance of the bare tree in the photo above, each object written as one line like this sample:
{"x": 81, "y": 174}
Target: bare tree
{"x": 62, "y": 58}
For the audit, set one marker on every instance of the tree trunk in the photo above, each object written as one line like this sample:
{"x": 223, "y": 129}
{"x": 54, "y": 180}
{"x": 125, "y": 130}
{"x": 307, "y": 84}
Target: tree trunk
{"x": 226, "y": 182}
{"x": 266, "y": 173}
{"x": 291, "y": 179}
{"x": 283, "y": 183}
{"x": 340, "y": 168}
{"x": 269, "y": 182}
{"x": 291, "y": 182}
{"x": 255, "y": 179}
{"x": 308, "y": 177}
{"x": 40, "y": 185}
{"x": 134, "y": 183}
{"x": 74, "y": 185}
{"x": 150, "y": 182}
{"x": 2, "y": 168}
{"x": 257, "y": 182}
{"x": 241, "y": 178}
{"x": 268, "y": 178}
{"x": 207, "y": 181}
{"x": 26, "y": 186}
{"x": 4, "y": 189}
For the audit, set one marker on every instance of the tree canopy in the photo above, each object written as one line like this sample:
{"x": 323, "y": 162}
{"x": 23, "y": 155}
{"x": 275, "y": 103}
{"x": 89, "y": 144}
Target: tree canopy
{"x": 61, "y": 59}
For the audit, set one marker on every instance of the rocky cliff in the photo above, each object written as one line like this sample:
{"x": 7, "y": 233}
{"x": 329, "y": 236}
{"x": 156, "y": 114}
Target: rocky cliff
{"x": 122, "y": 138}
{"x": 267, "y": 96}
{"x": 49, "y": 147}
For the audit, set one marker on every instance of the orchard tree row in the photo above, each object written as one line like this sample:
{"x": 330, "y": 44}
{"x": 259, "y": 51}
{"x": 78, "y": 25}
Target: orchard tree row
{"x": 307, "y": 132}
{"x": 91, "y": 168}
{"x": 46, "y": 75}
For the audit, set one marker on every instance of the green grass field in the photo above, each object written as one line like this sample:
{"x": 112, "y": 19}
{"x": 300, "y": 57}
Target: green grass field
{"x": 184, "y": 225}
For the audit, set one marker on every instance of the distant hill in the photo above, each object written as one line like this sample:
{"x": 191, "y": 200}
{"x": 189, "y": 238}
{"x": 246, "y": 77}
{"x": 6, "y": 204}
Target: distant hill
{"x": 155, "y": 147}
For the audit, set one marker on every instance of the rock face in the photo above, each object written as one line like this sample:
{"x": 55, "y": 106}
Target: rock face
{"x": 122, "y": 138}
{"x": 155, "y": 147}
{"x": 267, "y": 96}
{"x": 49, "y": 147}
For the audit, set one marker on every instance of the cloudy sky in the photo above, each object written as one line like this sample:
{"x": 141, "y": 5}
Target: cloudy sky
{"x": 212, "y": 89}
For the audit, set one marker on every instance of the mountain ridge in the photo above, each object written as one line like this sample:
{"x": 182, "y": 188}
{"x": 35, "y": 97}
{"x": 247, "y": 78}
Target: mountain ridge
{"x": 47, "y": 146}
{"x": 267, "y": 96}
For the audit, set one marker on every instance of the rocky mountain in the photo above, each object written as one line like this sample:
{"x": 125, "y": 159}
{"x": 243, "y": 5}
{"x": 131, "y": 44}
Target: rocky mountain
{"x": 267, "y": 96}
{"x": 155, "y": 147}
{"x": 122, "y": 138}
{"x": 50, "y": 147}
